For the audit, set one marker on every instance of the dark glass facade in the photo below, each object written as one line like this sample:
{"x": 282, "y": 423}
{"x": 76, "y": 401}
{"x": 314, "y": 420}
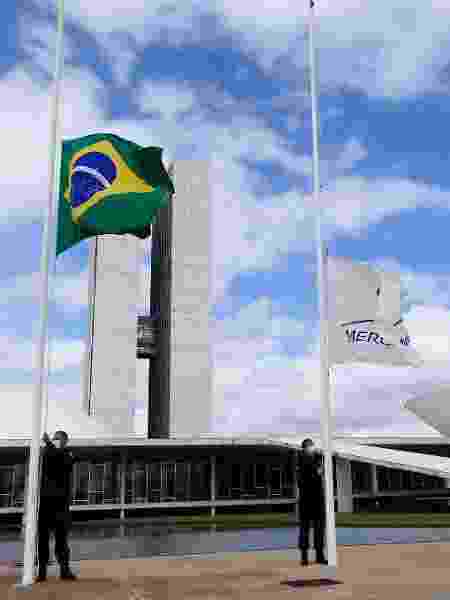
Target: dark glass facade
{"x": 135, "y": 477}
{"x": 361, "y": 477}
{"x": 141, "y": 477}
{"x": 12, "y": 485}
{"x": 395, "y": 480}
{"x": 253, "y": 480}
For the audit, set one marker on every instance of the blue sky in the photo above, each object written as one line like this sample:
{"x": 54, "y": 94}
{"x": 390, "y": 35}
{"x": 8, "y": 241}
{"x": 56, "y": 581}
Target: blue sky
{"x": 228, "y": 83}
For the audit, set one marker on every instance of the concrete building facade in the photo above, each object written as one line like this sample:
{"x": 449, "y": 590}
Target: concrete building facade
{"x": 110, "y": 365}
{"x": 174, "y": 338}
{"x": 130, "y": 477}
{"x": 180, "y": 379}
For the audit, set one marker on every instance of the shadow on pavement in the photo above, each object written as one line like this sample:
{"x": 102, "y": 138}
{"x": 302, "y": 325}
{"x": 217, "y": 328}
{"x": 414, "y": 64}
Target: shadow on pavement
{"x": 310, "y": 582}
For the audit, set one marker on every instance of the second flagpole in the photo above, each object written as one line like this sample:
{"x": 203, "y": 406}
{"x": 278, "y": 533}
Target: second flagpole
{"x": 48, "y": 246}
{"x": 325, "y": 395}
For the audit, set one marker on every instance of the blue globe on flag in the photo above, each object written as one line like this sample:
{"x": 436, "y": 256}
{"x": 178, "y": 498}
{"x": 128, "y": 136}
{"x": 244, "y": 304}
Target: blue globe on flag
{"x": 93, "y": 172}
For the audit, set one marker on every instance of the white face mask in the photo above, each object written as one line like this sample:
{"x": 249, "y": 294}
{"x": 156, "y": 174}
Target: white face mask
{"x": 58, "y": 443}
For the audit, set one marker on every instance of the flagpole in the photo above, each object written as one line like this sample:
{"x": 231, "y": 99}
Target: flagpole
{"x": 92, "y": 290}
{"x": 47, "y": 250}
{"x": 331, "y": 551}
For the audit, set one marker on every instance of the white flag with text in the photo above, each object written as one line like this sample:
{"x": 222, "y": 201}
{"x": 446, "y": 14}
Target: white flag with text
{"x": 365, "y": 323}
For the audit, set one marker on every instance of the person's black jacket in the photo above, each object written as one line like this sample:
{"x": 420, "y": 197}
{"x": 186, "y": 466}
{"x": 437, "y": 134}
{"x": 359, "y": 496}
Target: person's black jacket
{"x": 311, "y": 484}
{"x": 56, "y": 480}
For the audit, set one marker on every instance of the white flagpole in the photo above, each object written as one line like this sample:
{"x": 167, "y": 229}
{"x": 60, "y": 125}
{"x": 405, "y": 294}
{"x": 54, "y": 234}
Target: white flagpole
{"x": 41, "y": 354}
{"x": 331, "y": 551}
{"x": 88, "y": 362}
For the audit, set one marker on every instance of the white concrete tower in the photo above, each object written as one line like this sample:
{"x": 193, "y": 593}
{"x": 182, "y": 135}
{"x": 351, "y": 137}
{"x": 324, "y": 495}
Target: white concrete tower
{"x": 180, "y": 395}
{"x": 110, "y": 369}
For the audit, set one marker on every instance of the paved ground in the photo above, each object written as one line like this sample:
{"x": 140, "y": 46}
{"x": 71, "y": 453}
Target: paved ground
{"x": 413, "y": 571}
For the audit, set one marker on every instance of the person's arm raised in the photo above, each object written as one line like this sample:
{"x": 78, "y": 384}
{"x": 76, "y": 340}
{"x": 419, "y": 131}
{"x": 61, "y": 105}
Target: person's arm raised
{"x": 47, "y": 441}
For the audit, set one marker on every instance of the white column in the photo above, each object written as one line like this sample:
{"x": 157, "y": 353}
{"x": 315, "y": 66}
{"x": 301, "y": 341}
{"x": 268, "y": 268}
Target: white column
{"x": 25, "y": 493}
{"x": 111, "y": 365}
{"x": 190, "y": 349}
{"x": 296, "y": 490}
{"x": 123, "y": 483}
{"x": 344, "y": 485}
{"x": 374, "y": 482}
{"x": 213, "y": 484}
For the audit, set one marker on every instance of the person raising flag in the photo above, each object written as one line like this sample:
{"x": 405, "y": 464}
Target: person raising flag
{"x": 54, "y": 506}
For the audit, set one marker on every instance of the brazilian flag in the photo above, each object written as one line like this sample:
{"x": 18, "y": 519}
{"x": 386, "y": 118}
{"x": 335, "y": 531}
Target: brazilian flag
{"x": 109, "y": 185}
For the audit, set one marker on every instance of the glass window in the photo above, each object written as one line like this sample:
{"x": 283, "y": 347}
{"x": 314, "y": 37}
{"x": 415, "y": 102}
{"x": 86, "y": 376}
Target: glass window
{"x": 155, "y": 481}
{"x": 181, "y": 484}
{"x": 96, "y": 484}
{"x": 236, "y": 476}
{"x": 361, "y": 477}
{"x": 168, "y": 481}
{"x": 248, "y": 479}
{"x": 81, "y": 483}
{"x": 288, "y": 474}
{"x": 408, "y": 481}
{"x": 7, "y": 477}
{"x": 19, "y": 488}
{"x": 109, "y": 487}
{"x": 389, "y": 480}
{"x": 260, "y": 475}
{"x": 199, "y": 481}
{"x": 138, "y": 482}
{"x": 275, "y": 480}
{"x": 223, "y": 480}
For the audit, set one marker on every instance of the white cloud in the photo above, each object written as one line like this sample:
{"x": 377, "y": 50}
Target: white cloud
{"x": 66, "y": 354}
{"x": 354, "y": 203}
{"x": 429, "y": 326}
{"x": 352, "y": 153}
{"x": 64, "y": 412}
{"x": 426, "y": 288}
{"x": 259, "y": 234}
{"x": 382, "y": 48}
{"x": 251, "y": 370}
{"x": 38, "y": 41}
{"x": 71, "y": 291}
{"x": 121, "y": 53}
{"x": 286, "y": 392}
{"x": 68, "y": 291}
{"x": 167, "y": 99}
{"x": 18, "y": 354}
{"x": 138, "y": 17}
{"x": 262, "y": 319}
{"x": 248, "y": 234}
{"x": 24, "y": 121}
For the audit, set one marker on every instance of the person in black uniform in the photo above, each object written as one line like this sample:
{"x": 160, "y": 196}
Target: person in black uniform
{"x": 55, "y": 498}
{"x": 312, "y": 502}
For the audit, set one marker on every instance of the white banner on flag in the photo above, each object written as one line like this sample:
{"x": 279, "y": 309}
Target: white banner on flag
{"x": 365, "y": 322}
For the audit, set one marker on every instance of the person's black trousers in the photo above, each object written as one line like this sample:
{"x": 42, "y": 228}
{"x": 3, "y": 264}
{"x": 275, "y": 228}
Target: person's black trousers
{"x": 314, "y": 520}
{"x": 56, "y": 519}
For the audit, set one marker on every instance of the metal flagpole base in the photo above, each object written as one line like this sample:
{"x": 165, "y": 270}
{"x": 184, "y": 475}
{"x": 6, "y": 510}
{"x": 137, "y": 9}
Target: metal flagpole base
{"x": 328, "y": 572}
{"x": 24, "y": 587}
{"x": 21, "y": 586}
